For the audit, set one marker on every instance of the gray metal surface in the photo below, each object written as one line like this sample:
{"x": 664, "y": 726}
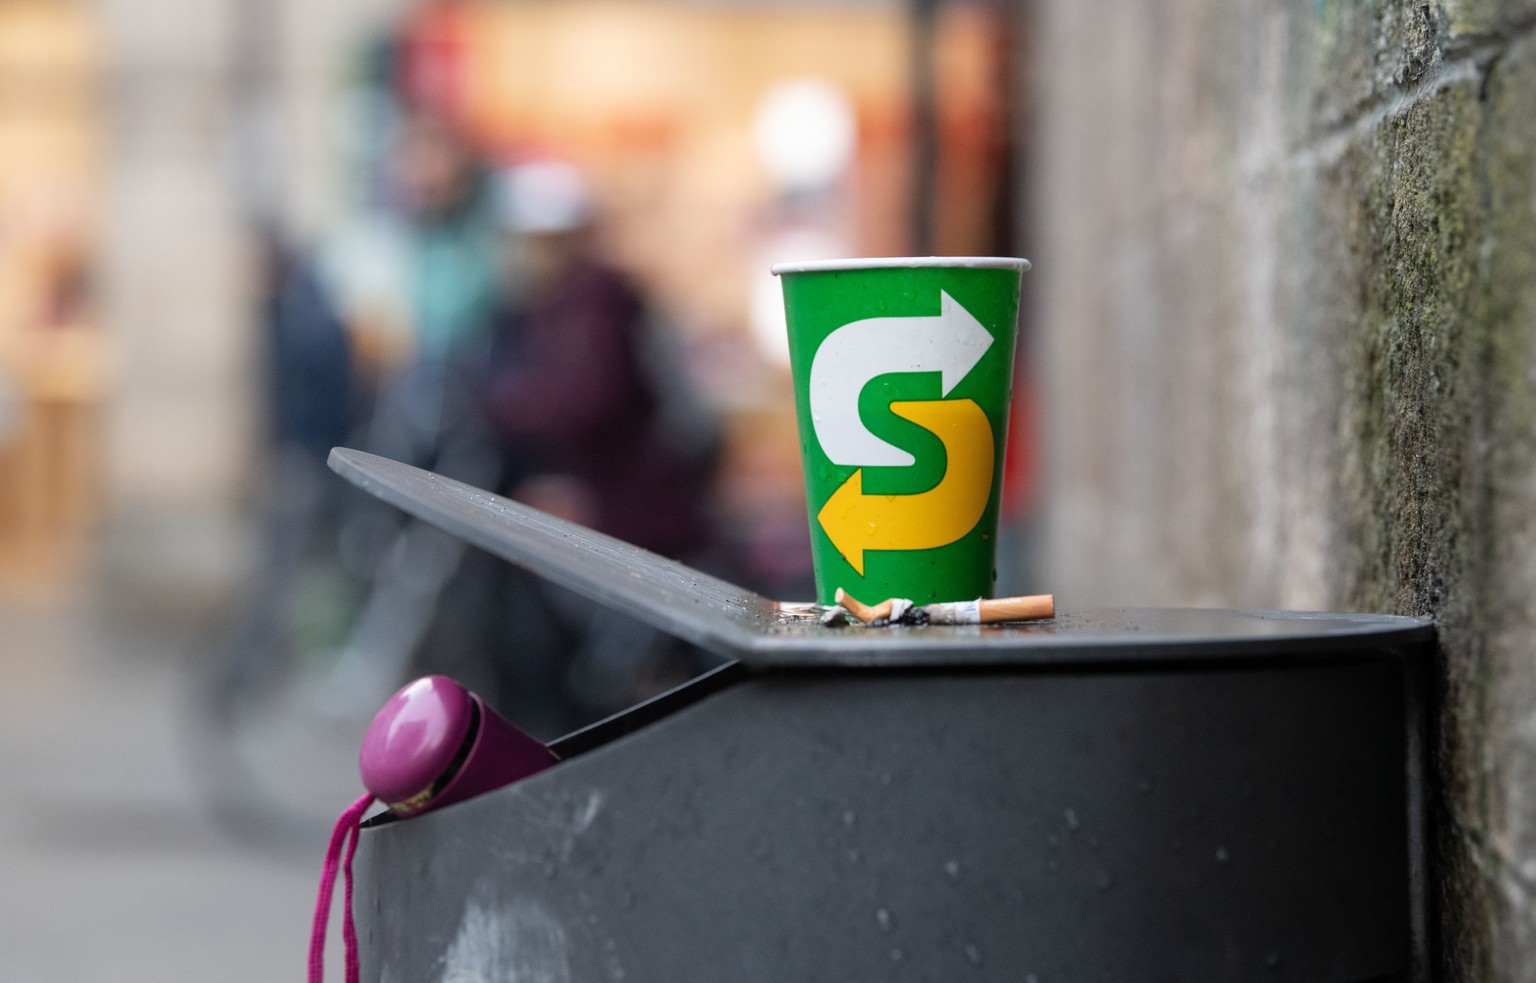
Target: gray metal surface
{"x": 738, "y": 624}
{"x": 1111, "y": 795}
{"x": 1207, "y": 822}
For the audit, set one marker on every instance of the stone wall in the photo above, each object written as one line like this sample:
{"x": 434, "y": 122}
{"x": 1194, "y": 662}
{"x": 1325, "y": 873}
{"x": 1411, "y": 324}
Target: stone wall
{"x": 1285, "y": 293}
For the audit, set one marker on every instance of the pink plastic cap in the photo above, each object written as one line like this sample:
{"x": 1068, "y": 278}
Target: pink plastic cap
{"x": 414, "y": 738}
{"x": 425, "y": 748}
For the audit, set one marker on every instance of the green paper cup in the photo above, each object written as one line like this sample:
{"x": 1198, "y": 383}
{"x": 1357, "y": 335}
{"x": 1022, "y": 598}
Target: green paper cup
{"x": 903, "y": 372}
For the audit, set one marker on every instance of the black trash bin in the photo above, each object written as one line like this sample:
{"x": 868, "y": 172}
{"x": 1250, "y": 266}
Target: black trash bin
{"x": 1117, "y": 795}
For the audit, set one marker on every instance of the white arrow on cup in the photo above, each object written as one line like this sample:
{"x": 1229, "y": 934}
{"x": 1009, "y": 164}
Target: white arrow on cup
{"x": 848, "y": 358}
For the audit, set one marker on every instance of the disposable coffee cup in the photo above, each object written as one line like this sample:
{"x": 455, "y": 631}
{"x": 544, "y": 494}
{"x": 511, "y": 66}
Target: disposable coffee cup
{"x": 903, "y": 373}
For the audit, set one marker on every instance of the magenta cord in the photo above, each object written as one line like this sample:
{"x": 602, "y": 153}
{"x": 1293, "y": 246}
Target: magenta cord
{"x": 346, "y": 834}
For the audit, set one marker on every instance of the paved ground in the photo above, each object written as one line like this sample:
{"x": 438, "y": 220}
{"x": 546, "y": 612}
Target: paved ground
{"x": 114, "y": 869}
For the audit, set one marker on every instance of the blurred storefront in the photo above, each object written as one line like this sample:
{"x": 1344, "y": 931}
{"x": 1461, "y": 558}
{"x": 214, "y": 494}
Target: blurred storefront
{"x": 53, "y": 366}
{"x": 718, "y": 138}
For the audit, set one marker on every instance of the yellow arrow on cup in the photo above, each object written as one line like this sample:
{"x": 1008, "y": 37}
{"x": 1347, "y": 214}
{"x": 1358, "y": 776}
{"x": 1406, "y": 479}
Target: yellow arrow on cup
{"x": 856, "y": 522}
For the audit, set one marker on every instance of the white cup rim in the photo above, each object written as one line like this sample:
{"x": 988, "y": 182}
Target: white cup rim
{"x": 908, "y": 262}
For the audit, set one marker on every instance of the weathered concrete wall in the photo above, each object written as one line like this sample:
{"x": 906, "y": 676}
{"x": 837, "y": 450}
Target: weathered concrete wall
{"x": 1286, "y": 282}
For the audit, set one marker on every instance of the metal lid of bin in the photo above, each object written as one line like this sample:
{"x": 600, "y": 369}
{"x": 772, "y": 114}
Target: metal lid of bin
{"x": 738, "y": 624}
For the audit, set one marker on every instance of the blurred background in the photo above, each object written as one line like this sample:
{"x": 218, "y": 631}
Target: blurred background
{"x": 1277, "y": 352}
{"x": 521, "y": 242}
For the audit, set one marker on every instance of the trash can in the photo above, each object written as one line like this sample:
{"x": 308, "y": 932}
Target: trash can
{"x": 1128, "y": 795}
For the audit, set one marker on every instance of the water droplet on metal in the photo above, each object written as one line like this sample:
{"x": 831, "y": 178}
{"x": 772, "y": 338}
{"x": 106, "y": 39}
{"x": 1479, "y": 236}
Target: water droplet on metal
{"x": 973, "y": 954}
{"x": 883, "y": 919}
{"x": 849, "y": 818}
{"x": 1073, "y": 823}
{"x": 1271, "y": 960}
{"x": 895, "y": 955}
{"x": 952, "y": 868}
{"x": 1222, "y": 856}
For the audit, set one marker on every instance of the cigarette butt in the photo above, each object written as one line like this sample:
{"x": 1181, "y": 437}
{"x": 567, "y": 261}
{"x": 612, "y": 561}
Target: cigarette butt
{"x": 994, "y": 611}
{"x": 1030, "y": 608}
{"x": 862, "y": 611}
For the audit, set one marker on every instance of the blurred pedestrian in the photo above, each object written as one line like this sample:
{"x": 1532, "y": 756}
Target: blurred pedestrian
{"x": 443, "y": 193}
{"x": 571, "y": 392}
{"x": 597, "y": 429}
{"x": 425, "y": 412}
